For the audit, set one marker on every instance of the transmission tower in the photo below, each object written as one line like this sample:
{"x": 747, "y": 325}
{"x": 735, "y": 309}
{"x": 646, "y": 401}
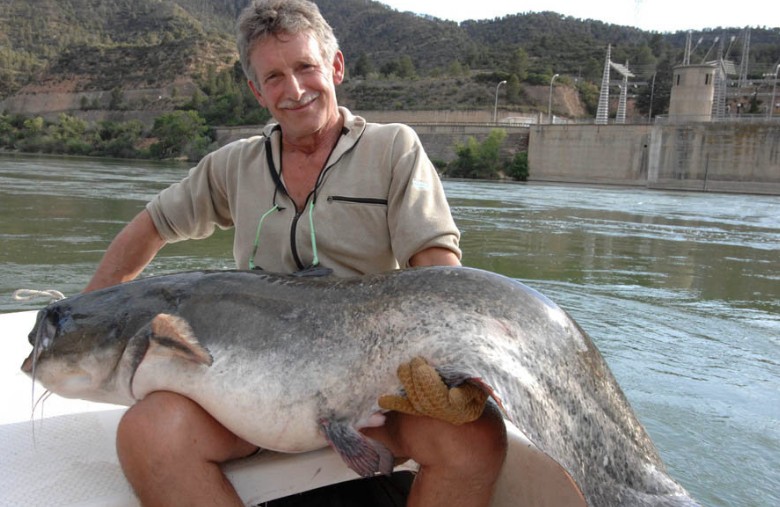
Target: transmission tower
{"x": 719, "y": 95}
{"x": 602, "y": 113}
{"x": 621, "y": 111}
{"x": 743, "y": 64}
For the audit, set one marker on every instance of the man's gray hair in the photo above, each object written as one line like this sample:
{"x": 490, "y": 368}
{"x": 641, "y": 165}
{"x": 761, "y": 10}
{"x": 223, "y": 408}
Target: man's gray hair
{"x": 266, "y": 18}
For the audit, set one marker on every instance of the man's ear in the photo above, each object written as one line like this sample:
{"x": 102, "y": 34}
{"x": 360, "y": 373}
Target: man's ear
{"x": 338, "y": 68}
{"x": 256, "y": 93}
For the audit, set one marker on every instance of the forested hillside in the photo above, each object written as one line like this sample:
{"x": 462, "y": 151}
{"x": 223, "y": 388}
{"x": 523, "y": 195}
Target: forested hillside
{"x": 395, "y": 59}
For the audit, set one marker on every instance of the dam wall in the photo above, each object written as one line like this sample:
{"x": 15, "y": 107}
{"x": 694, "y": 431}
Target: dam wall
{"x": 741, "y": 157}
{"x": 719, "y": 157}
{"x": 598, "y": 154}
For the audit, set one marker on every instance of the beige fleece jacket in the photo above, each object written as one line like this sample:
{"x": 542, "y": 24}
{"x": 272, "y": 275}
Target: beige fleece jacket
{"x": 379, "y": 201}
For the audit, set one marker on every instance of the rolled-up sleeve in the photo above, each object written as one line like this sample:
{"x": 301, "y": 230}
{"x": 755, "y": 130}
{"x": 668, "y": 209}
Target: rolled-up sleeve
{"x": 419, "y": 216}
{"x": 193, "y": 207}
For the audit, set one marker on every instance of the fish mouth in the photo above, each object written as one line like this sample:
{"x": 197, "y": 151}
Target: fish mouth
{"x": 40, "y": 338}
{"x": 29, "y": 363}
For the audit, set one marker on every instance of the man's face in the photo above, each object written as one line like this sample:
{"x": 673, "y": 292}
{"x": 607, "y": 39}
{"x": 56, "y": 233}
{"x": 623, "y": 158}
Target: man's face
{"x": 294, "y": 82}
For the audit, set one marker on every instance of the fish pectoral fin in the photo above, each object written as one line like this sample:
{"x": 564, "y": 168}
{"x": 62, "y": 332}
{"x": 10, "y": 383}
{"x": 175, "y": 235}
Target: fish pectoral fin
{"x": 172, "y": 336}
{"x": 365, "y": 456}
{"x": 427, "y": 393}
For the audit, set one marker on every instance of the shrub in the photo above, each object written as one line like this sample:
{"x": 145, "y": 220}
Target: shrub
{"x": 518, "y": 168}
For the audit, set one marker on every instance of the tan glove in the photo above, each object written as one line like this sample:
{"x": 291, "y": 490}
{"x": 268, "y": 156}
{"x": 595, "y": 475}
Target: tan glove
{"x": 428, "y": 395}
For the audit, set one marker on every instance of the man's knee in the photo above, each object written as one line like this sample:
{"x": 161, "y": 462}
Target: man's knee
{"x": 168, "y": 427}
{"x": 155, "y": 425}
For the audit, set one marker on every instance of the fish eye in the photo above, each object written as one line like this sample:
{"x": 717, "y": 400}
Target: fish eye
{"x": 59, "y": 321}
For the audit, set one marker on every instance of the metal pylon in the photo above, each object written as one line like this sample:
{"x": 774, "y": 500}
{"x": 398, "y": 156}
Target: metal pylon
{"x": 719, "y": 94}
{"x": 621, "y": 111}
{"x": 743, "y": 64}
{"x": 602, "y": 113}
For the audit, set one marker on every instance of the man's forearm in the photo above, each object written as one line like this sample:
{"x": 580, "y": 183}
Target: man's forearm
{"x": 434, "y": 256}
{"x": 128, "y": 254}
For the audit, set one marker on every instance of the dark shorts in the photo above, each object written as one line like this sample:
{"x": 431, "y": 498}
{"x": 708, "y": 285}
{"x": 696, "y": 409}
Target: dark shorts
{"x": 377, "y": 491}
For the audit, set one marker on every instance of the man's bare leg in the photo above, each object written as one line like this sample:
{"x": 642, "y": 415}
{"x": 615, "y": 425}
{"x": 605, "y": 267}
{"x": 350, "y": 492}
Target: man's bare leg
{"x": 459, "y": 465}
{"x": 170, "y": 450}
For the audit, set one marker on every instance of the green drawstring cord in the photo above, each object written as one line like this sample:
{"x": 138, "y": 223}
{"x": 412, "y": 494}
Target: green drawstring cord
{"x": 257, "y": 235}
{"x": 316, "y": 260}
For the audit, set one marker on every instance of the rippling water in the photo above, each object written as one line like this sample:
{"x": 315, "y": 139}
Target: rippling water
{"x": 680, "y": 291}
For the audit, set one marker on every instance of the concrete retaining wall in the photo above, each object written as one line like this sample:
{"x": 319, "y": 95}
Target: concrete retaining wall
{"x": 440, "y": 140}
{"x": 721, "y": 157}
{"x": 603, "y": 154}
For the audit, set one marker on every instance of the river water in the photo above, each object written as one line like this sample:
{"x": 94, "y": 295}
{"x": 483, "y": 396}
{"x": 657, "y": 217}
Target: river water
{"x": 680, "y": 291}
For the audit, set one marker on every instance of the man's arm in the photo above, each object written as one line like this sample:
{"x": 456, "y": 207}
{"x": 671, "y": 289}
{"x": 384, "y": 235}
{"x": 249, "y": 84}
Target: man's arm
{"x": 434, "y": 256}
{"x": 128, "y": 254}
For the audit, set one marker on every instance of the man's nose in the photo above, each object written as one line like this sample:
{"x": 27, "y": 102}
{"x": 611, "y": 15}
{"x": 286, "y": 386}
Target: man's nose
{"x": 293, "y": 87}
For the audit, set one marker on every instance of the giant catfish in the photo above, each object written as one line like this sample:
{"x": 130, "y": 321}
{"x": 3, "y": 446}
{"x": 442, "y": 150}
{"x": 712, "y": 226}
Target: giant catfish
{"x": 292, "y": 364}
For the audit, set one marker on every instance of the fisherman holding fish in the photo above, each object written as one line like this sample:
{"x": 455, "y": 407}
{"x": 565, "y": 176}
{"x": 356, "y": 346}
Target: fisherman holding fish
{"x": 320, "y": 191}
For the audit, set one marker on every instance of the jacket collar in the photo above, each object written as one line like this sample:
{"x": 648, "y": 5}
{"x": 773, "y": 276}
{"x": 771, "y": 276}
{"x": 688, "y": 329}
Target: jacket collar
{"x": 354, "y": 126}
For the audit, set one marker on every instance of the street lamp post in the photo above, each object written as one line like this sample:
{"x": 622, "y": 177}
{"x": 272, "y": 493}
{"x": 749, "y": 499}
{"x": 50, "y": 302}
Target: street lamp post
{"x": 652, "y": 89}
{"x": 549, "y": 103}
{"x": 774, "y": 89}
{"x": 495, "y": 107}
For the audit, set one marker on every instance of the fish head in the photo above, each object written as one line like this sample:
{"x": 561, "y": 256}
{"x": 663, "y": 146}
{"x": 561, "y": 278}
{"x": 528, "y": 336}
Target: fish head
{"x": 90, "y": 346}
{"x": 76, "y": 354}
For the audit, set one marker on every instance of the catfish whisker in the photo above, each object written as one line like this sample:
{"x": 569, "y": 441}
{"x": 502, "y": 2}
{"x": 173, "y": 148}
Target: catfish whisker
{"x": 40, "y": 401}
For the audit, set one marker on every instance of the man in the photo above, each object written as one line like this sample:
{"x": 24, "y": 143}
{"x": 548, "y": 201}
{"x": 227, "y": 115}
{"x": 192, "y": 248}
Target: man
{"x": 321, "y": 189}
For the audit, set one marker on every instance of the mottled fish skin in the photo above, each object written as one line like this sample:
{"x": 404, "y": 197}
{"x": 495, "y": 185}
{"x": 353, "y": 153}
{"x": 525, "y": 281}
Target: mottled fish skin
{"x": 297, "y": 363}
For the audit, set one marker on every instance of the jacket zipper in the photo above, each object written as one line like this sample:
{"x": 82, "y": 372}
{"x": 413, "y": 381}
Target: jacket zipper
{"x": 293, "y": 243}
{"x": 312, "y": 195}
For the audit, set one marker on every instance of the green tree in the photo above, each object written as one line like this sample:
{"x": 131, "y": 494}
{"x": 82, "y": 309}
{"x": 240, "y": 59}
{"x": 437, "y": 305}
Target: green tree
{"x": 514, "y": 90}
{"x": 455, "y": 69}
{"x": 478, "y": 160}
{"x": 406, "y": 68}
{"x": 117, "y": 101}
{"x": 518, "y": 64}
{"x": 119, "y": 139}
{"x": 210, "y": 85}
{"x": 363, "y": 66}
{"x": 659, "y": 89}
{"x": 402, "y": 68}
{"x": 518, "y": 168}
{"x": 68, "y": 127}
{"x": 177, "y": 133}
{"x": 589, "y": 93}
{"x": 34, "y": 126}
{"x": 7, "y": 132}
{"x": 70, "y": 135}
